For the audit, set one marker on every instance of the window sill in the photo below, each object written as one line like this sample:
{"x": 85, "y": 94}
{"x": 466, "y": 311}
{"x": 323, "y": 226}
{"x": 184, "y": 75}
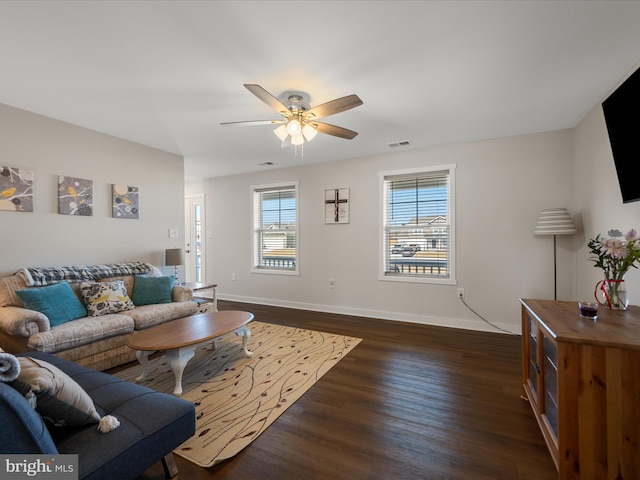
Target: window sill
{"x": 272, "y": 271}
{"x": 407, "y": 279}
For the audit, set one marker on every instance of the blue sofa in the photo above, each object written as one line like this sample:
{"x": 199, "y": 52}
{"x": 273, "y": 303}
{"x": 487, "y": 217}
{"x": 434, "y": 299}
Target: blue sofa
{"x": 152, "y": 425}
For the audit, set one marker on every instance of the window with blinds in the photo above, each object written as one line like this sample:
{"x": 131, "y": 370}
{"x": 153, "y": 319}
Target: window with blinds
{"x": 418, "y": 219}
{"x": 275, "y": 228}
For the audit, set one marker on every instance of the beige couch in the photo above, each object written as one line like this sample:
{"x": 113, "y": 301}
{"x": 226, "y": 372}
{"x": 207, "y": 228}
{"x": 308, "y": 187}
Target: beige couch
{"x": 98, "y": 342}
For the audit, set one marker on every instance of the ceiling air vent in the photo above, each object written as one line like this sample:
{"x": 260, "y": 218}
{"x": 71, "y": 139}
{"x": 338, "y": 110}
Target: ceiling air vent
{"x": 404, "y": 143}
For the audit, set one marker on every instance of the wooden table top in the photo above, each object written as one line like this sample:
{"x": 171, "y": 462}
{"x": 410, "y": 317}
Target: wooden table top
{"x": 614, "y": 328}
{"x": 189, "y": 330}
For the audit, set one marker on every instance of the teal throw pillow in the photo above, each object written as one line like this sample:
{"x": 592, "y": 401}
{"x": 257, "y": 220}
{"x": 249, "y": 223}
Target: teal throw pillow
{"x": 57, "y": 302}
{"x": 151, "y": 290}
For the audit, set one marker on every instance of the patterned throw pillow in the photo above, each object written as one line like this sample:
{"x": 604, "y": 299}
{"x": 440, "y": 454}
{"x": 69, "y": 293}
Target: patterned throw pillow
{"x": 58, "y": 397}
{"x": 102, "y": 298}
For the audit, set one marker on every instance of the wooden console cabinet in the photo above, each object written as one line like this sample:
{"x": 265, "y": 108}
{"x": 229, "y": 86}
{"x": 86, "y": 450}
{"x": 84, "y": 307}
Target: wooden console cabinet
{"x": 582, "y": 379}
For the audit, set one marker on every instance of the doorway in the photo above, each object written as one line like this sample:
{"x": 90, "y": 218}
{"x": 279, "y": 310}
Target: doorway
{"x": 194, "y": 218}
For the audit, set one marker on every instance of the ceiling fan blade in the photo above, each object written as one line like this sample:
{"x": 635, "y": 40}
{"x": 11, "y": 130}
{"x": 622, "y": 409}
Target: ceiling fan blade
{"x": 334, "y": 130}
{"x": 334, "y": 106}
{"x": 269, "y": 99}
{"x": 254, "y": 122}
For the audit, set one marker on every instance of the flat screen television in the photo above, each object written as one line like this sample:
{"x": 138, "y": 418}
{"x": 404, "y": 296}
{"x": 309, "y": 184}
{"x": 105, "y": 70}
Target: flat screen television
{"x": 621, "y": 111}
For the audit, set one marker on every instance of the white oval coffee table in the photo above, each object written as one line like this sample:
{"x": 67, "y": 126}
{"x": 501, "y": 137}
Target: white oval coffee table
{"x": 180, "y": 338}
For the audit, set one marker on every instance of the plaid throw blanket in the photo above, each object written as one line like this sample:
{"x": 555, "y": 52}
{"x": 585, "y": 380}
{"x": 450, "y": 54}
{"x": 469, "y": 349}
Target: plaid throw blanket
{"x": 39, "y": 277}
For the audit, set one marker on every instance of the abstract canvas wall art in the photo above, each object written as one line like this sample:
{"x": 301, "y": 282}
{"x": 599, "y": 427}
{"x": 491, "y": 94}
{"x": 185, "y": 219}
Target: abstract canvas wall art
{"x": 125, "y": 201}
{"x": 16, "y": 189}
{"x": 75, "y": 196}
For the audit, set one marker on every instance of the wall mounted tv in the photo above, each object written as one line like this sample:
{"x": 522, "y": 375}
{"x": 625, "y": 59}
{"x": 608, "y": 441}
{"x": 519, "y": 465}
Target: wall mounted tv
{"x": 621, "y": 115}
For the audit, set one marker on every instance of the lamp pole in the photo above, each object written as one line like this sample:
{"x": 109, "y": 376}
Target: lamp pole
{"x": 555, "y": 221}
{"x": 555, "y": 268}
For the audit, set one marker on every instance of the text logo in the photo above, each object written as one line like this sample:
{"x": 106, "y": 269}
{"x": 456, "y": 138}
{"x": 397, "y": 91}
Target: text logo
{"x": 40, "y": 467}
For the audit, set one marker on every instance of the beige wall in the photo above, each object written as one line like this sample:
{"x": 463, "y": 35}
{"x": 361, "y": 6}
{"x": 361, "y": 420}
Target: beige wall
{"x": 52, "y": 148}
{"x": 501, "y": 187}
{"x": 599, "y": 202}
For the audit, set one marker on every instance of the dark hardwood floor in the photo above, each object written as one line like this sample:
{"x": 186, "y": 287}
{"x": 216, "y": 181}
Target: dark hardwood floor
{"x": 409, "y": 402}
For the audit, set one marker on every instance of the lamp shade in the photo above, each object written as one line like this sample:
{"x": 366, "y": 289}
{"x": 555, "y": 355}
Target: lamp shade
{"x": 554, "y": 221}
{"x": 297, "y": 139}
{"x": 281, "y": 132}
{"x": 173, "y": 256}
{"x": 309, "y": 132}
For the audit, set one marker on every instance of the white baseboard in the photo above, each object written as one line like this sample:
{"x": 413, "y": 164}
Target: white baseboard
{"x": 464, "y": 323}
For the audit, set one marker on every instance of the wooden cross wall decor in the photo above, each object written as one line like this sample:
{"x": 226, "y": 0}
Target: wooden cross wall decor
{"x": 336, "y": 205}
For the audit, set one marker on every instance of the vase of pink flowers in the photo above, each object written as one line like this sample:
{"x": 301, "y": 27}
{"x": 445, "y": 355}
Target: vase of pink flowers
{"x": 615, "y": 255}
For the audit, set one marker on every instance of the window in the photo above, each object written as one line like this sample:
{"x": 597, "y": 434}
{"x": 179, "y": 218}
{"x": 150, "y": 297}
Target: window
{"x": 275, "y": 228}
{"x": 418, "y": 225}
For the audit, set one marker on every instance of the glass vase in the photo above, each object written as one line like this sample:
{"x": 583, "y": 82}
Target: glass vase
{"x": 612, "y": 293}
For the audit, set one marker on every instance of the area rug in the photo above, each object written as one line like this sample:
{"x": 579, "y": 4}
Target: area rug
{"x": 237, "y": 397}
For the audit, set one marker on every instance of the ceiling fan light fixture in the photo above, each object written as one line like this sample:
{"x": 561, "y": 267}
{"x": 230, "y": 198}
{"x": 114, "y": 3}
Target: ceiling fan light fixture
{"x": 309, "y": 132}
{"x": 293, "y": 127}
{"x": 281, "y": 132}
{"x": 298, "y": 123}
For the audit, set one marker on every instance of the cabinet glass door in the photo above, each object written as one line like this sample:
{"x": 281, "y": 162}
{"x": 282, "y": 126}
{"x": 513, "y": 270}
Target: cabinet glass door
{"x": 534, "y": 369}
{"x": 550, "y": 408}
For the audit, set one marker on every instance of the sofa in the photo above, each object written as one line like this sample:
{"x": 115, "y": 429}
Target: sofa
{"x": 86, "y": 314}
{"x": 150, "y": 425}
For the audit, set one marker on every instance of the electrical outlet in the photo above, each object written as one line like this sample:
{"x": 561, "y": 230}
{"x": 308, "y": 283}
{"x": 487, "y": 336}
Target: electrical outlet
{"x": 332, "y": 283}
{"x": 461, "y": 293}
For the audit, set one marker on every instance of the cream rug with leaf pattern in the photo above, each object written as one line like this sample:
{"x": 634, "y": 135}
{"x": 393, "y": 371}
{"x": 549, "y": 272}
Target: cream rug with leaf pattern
{"x": 237, "y": 397}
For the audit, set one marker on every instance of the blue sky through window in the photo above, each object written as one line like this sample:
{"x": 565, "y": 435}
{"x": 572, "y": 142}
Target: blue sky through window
{"x": 278, "y": 208}
{"x": 411, "y": 201}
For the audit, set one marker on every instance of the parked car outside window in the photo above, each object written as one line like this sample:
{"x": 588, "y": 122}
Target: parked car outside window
{"x": 408, "y": 251}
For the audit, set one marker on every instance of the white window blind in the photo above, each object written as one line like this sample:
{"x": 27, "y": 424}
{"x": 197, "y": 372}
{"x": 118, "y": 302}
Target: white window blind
{"x": 417, "y": 219}
{"x": 275, "y": 228}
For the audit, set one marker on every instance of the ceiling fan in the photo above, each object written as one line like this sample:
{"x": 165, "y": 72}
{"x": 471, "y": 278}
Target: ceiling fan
{"x": 299, "y": 120}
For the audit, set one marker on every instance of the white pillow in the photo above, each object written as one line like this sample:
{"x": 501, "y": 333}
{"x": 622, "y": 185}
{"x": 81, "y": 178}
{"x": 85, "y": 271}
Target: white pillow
{"x": 59, "y": 398}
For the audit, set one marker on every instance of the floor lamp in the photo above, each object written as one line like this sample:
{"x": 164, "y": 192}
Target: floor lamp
{"x": 554, "y": 221}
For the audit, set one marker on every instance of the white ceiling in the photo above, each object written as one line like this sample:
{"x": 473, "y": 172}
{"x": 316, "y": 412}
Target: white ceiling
{"x": 167, "y": 73}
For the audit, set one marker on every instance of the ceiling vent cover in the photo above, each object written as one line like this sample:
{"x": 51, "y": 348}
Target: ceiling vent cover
{"x": 404, "y": 143}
